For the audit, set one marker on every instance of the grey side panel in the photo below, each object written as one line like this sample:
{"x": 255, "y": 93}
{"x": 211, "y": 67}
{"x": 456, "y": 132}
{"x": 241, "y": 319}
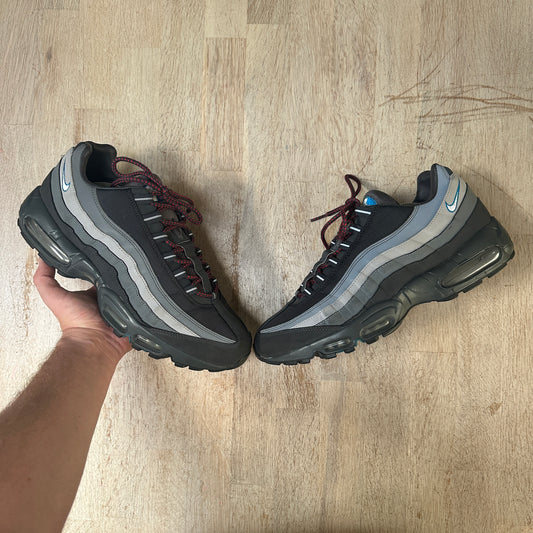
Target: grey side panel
{"x": 425, "y": 223}
{"x": 126, "y": 257}
{"x": 372, "y": 283}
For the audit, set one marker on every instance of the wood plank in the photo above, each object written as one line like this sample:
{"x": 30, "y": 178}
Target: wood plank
{"x": 268, "y": 11}
{"x": 223, "y": 103}
{"x": 225, "y": 18}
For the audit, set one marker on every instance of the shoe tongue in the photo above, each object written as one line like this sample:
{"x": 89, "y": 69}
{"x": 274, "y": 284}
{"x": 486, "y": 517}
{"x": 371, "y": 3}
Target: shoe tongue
{"x": 378, "y": 198}
{"x": 177, "y": 234}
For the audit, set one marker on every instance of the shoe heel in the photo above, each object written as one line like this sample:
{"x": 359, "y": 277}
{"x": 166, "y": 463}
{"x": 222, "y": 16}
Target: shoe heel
{"x": 42, "y": 233}
{"x": 483, "y": 256}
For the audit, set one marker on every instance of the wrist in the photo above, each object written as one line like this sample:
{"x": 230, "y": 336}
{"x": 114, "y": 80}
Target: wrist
{"x": 93, "y": 343}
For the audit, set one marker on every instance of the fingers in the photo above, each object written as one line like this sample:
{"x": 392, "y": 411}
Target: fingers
{"x": 43, "y": 269}
{"x": 44, "y": 275}
{"x": 46, "y": 284}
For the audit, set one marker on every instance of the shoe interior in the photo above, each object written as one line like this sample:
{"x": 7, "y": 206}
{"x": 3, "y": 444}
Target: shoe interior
{"x": 426, "y": 186}
{"x": 98, "y": 168}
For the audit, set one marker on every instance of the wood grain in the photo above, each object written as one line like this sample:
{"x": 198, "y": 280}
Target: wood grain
{"x": 223, "y": 103}
{"x": 255, "y": 109}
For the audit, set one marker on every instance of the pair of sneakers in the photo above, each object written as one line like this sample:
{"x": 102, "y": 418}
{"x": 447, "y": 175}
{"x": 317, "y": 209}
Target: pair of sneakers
{"x": 129, "y": 235}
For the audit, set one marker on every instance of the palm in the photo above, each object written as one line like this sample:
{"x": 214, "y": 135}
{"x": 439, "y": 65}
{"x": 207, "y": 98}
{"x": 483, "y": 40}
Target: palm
{"x": 77, "y": 312}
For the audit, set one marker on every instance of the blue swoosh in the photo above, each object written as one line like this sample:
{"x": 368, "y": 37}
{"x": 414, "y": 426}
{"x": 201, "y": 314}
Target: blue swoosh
{"x": 453, "y": 206}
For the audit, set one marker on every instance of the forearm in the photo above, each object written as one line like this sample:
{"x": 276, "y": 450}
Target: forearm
{"x": 46, "y": 432}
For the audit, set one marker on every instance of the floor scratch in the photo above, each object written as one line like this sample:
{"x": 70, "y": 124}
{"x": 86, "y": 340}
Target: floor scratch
{"x": 458, "y": 103}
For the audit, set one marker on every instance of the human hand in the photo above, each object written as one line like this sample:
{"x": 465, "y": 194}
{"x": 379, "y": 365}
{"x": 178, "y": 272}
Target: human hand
{"x": 78, "y": 314}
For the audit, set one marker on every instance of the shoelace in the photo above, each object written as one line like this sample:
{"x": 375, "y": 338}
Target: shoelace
{"x": 347, "y": 212}
{"x": 167, "y": 199}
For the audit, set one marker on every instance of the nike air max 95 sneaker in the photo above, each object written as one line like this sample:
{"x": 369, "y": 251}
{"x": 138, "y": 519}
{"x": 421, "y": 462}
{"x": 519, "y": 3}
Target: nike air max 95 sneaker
{"x": 385, "y": 259}
{"x": 128, "y": 235}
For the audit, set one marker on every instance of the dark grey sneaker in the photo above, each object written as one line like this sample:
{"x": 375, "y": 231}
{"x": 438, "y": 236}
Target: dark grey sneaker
{"x": 127, "y": 234}
{"x": 385, "y": 259}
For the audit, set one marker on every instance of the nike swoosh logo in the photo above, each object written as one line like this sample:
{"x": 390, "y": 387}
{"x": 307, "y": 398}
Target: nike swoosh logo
{"x": 65, "y": 185}
{"x": 453, "y": 206}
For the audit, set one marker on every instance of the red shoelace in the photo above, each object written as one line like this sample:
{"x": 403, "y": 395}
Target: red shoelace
{"x": 347, "y": 212}
{"x": 165, "y": 198}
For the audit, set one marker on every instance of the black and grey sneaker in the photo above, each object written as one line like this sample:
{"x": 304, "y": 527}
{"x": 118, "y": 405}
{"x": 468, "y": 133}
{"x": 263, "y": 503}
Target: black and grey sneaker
{"x": 127, "y": 234}
{"x": 385, "y": 259}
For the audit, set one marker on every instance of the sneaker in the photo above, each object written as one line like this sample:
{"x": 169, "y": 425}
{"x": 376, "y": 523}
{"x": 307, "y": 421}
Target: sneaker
{"x": 385, "y": 259}
{"x": 128, "y": 235}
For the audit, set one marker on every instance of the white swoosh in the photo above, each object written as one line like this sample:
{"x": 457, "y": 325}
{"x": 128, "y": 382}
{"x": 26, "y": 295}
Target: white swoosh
{"x": 451, "y": 207}
{"x": 64, "y": 184}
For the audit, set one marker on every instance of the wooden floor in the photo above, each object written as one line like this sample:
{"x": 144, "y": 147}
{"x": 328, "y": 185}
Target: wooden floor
{"x": 256, "y": 109}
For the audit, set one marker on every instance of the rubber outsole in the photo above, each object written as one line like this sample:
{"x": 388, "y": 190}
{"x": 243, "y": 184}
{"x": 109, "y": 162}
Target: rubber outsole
{"x": 41, "y": 232}
{"x": 482, "y": 257}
